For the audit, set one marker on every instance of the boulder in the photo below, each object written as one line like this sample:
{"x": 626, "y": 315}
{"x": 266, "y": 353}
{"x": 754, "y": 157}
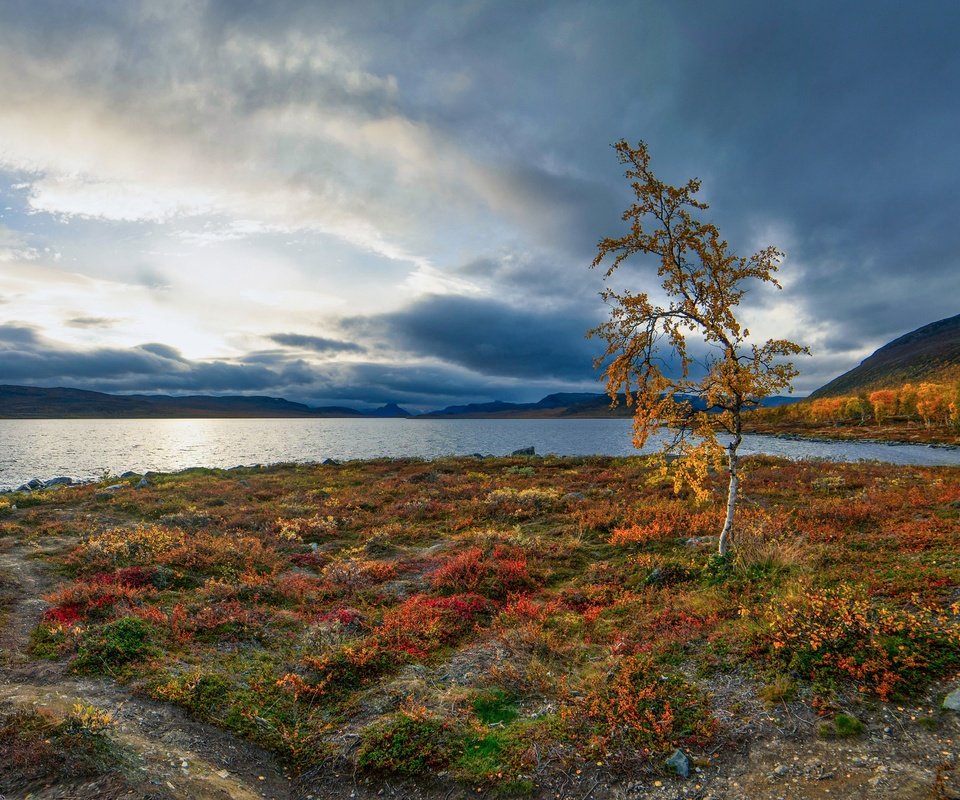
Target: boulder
{"x": 35, "y": 483}
{"x": 679, "y": 763}
{"x": 525, "y": 451}
{"x": 952, "y": 701}
{"x": 130, "y": 474}
{"x": 61, "y": 480}
{"x": 330, "y": 462}
{"x": 143, "y": 483}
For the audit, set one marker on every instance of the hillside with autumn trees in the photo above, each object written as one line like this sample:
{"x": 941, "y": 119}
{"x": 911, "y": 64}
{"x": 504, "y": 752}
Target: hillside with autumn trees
{"x": 928, "y": 355}
{"x": 908, "y": 390}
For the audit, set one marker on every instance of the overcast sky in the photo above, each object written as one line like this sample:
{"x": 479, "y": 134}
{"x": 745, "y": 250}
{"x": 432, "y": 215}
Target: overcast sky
{"x": 353, "y": 203}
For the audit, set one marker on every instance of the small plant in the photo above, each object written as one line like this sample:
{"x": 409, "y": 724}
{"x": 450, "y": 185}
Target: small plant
{"x": 115, "y": 645}
{"x": 842, "y": 725}
{"x": 90, "y": 719}
{"x": 407, "y": 744}
{"x": 778, "y": 690}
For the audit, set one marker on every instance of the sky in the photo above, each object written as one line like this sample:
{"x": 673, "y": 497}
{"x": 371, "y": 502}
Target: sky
{"x": 354, "y": 203}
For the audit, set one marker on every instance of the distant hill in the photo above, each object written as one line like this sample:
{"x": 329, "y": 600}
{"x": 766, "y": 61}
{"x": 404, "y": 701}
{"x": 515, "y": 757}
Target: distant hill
{"x": 563, "y": 405}
{"x": 33, "y": 402}
{"x": 930, "y": 353}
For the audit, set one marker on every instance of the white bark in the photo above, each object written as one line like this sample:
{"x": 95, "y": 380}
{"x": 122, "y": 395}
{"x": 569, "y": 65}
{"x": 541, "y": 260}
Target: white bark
{"x": 732, "y": 489}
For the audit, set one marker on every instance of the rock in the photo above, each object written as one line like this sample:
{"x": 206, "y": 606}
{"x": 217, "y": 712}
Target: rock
{"x": 781, "y": 770}
{"x": 525, "y": 451}
{"x": 952, "y": 701}
{"x": 330, "y": 462}
{"x": 130, "y": 474}
{"x": 23, "y": 488}
{"x": 143, "y": 483}
{"x": 679, "y": 763}
{"x": 61, "y": 480}
{"x": 115, "y": 487}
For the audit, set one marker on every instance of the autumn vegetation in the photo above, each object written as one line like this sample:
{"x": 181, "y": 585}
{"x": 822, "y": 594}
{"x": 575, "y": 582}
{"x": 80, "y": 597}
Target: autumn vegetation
{"x": 922, "y": 412}
{"x": 497, "y": 622}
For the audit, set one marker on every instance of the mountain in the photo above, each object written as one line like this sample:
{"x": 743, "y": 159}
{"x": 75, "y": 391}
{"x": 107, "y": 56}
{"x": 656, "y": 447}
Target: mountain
{"x": 561, "y": 406}
{"x": 33, "y": 402}
{"x": 553, "y": 405}
{"x": 930, "y": 353}
{"x": 390, "y": 411}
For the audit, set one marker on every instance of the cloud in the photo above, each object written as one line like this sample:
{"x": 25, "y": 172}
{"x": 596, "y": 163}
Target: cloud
{"x": 28, "y": 357}
{"x": 487, "y": 336}
{"x": 92, "y": 322}
{"x": 317, "y": 344}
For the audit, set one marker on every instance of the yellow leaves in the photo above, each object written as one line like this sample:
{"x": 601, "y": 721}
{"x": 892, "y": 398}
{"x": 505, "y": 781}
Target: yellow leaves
{"x": 92, "y": 719}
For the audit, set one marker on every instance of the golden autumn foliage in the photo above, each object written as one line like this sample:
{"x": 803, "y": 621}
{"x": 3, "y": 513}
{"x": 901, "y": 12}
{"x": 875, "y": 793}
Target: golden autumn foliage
{"x": 704, "y": 282}
{"x": 934, "y": 405}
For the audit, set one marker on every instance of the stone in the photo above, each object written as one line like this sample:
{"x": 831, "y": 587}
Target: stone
{"x": 525, "y": 451}
{"x": 330, "y": 462}
{"x": 679, "y": 763}
{"x": 143, "y": 483}
{"x": 130, "y": 474}
{"x": 60, "y": 480}
{"x": 952, "y": 701}
{"x": 115, "y": 487}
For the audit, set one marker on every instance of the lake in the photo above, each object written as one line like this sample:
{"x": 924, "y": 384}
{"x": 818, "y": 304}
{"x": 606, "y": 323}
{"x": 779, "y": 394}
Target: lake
{"x": 86, "y": 448}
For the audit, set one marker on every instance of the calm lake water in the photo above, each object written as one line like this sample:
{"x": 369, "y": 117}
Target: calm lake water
{"x": 82, "y": 448}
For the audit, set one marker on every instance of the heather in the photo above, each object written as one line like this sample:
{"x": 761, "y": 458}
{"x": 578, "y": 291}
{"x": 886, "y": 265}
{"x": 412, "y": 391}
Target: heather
{"x": 499, "y": 622}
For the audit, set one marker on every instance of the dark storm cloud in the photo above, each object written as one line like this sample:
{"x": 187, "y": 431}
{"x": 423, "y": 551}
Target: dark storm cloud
{"x": 27, "y": 357}
{"x": 839, "y": 121}
{"x": 318, "y": 344}
{"x": 488, "y": 337}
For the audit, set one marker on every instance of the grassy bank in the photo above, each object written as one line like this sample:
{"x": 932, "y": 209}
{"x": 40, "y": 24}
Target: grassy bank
{"x": 502, "y": 623}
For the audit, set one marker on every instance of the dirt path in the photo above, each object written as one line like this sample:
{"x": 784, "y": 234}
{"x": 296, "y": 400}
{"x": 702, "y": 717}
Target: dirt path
{"x": 178, "y": 756}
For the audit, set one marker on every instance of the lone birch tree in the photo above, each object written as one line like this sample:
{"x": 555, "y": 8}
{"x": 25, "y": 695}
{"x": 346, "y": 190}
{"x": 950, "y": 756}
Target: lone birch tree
{"x": 648, "y": 347}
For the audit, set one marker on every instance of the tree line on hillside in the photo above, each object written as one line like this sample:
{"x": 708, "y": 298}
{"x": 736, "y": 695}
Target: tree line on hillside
{"x": 932, "y": 404}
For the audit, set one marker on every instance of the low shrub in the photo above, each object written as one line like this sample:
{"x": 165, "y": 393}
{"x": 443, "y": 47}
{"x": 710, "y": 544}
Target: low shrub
{"x": 840, "y": 634}
{"x": 114, "y": 645}
{"x": 406, "y": 745}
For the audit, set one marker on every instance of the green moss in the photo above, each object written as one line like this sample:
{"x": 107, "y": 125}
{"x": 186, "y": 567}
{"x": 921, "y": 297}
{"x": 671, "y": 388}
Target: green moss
{"x": 495, "y": 706}
{"x": 842, "y": 725}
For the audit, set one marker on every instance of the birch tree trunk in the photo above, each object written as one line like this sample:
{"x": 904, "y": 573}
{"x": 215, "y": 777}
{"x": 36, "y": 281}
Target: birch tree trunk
{"x": 732, "y": 490}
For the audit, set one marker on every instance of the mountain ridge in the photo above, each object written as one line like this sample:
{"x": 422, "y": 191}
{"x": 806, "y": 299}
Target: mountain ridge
{"x": 34, "y": 402}
{"x": 930, "y": 353}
